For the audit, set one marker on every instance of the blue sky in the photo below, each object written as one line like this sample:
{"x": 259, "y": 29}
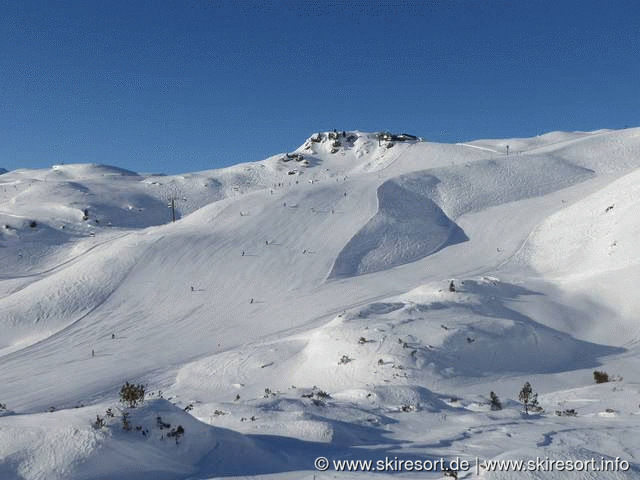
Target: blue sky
{"x": 177, "y": 86}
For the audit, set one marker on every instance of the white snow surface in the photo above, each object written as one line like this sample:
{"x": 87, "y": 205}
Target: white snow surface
{"x": 300, "y": 307}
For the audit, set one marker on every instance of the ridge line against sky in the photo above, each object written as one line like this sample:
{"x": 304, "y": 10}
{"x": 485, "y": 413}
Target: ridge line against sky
{"x": 192, "y": 85}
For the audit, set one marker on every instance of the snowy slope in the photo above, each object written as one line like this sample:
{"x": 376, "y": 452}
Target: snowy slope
{"x": 597, "y": 255}
{"x": 300, "y": 306}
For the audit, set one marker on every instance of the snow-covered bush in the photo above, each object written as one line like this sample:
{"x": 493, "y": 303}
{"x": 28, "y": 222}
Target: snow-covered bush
{"x": 176, "y": 432}
{"x": 99, "y": 423}
{"x": 344, "y": 360}
{"x": 132, "y": 395}
{"x": 569, "y": 412}
{"x": 126, "y": 425}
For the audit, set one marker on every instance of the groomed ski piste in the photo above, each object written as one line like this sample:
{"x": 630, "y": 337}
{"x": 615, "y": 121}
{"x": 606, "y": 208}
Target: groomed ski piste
{"x": 300, "y": 307}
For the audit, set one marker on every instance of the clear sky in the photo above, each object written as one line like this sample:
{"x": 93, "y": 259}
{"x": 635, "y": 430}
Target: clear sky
{"x": 187, "y": 85}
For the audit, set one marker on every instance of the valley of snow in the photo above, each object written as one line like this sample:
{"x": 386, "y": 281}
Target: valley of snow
{"x": 299, "y": 307}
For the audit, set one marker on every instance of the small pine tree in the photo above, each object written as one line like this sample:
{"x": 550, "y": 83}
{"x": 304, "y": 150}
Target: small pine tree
{"x": 525, "y": 395}
{"x": 495, "y": 402}
{"x": 529, "y": 399}
{"x": 132, "y": 395}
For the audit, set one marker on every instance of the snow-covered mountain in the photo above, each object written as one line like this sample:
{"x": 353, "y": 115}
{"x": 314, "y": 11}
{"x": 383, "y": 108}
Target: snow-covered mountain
{"x": 358, "y": 298}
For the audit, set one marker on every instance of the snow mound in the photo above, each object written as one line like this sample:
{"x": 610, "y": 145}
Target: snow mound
{"x": 163, "y": 442}
{"x": 407, "y": 227}
{"x": 440, "y": 334}
{"x": 478, "y": 325}
{"x": 92, "y": 170}
{"x": 593, "y": 400}
{"x": 409, "y": 397}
